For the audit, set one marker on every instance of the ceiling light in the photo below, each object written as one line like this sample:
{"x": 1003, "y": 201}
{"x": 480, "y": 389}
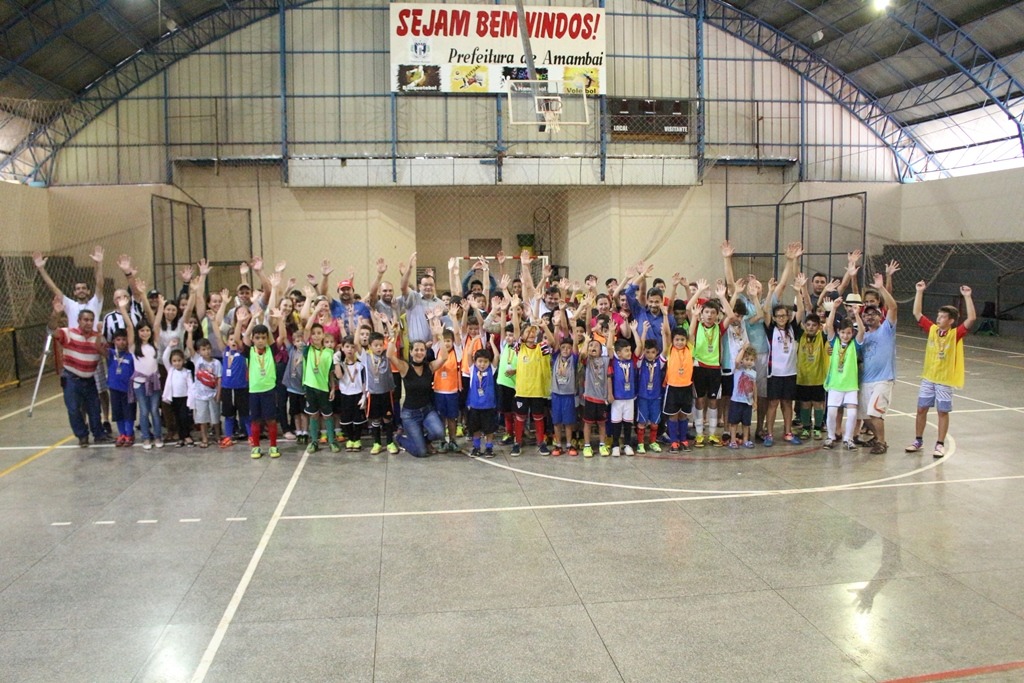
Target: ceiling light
{"x": 880, "y": 5}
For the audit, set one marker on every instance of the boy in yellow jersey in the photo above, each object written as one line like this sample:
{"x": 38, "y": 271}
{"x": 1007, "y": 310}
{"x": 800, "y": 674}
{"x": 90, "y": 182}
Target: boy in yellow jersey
{"x": 811, "y": 368}
{"x": 533, "y": 379}
{"x": 707, "y": 332}
{"x": 678, "y": 357}
{"x": 943, "y": 364}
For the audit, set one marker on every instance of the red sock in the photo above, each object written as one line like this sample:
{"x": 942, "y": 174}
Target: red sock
{"x": 520, "y": 423}
{"x": 254, "y": 433}
{"x": 538, "y": 427}
{"x": 272, "y": 432}
{"x": 640, "y": 435}
{"x": 510, "y": 419}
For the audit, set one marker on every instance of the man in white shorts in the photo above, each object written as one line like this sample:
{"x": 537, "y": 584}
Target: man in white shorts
{"x": 878, "y": 372}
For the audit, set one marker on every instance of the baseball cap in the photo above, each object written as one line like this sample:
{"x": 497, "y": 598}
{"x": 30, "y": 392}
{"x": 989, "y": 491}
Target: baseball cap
{"x": 345, "y": 283}
{"x": 153, "y": 293}
{"x": 242, "y": 286}
{"x": 871, "y": 308}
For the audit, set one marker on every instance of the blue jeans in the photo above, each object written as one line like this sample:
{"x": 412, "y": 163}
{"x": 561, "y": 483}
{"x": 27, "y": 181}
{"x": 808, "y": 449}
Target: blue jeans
{"x": 415, "y": 422}
{"x": 149, "y": 409}
{"x": 80, "y": 394}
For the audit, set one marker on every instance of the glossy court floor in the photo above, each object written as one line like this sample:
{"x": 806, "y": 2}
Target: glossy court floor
{"x": 789, "y": 564}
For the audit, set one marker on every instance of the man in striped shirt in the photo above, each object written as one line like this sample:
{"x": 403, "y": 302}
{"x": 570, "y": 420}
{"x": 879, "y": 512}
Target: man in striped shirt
{"x": 83, "y": 347}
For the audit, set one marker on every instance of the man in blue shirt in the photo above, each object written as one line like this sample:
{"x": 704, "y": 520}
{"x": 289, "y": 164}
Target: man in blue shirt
{"x": 878, "y": 372}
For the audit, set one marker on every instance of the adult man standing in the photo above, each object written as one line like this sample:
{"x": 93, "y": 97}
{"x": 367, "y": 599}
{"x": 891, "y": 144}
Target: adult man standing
{"x": 418, "y": 303}
{"x": 381, "y": 297}
{"x": 879, "y": 366}
{"x": 81, "y": 296}
{"x": 82, "y": 349}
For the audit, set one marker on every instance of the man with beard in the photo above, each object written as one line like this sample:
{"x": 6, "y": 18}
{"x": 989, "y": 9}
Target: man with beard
{"x": 81, "y": 297}
{"x": 878, "y": 372}
{"x": 382, "y": 295}
{"x": 417, "y": 304}
{"x": 646, "y": 306}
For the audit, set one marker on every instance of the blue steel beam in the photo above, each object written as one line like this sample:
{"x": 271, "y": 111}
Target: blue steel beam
{"x": 910, "y": 156}
{"x": 32, "y": 158}
{"x": 974, "y": 61}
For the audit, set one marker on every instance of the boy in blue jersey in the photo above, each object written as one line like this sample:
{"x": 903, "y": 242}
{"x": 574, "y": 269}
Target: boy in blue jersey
{"x": 482, "y": 400}
{"x": 650, "y": 392}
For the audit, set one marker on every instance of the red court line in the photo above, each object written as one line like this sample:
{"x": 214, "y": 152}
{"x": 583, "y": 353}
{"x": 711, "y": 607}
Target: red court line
{"x": 766, "y": 456}
{"x": 959, "y": 673}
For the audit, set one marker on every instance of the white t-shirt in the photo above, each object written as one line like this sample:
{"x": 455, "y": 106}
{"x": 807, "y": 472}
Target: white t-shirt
{"x": 73, "y": 308}
{"x": 783, "y": 351}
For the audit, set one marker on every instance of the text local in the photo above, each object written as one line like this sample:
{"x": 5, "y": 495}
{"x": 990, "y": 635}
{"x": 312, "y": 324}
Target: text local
{"x": 497, "y": 23}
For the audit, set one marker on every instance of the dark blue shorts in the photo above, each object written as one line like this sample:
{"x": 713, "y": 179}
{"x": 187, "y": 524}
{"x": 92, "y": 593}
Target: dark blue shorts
{"x": 648, "y": 411}
{"x": 447, "y": 405}
{"x": 740, "y": 413}
{"x": 563, "y": 409}
{"x": 263, "y": 406}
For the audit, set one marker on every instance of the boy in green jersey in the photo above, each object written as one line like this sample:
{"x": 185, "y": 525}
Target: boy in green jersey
{"x": 842, "y": 382}
{"x": 318, "y": 380}
{"x": 262, "y": 391}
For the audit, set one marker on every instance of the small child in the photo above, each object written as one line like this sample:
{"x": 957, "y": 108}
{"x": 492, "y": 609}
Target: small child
{"x": 350, "y": 399}
{"x": 447, "y": 383}
{"x": 262, "y": 380}
{"x": 842, "y": 382}
{"x": 234, "y": 387}
{"x": 482, "y": 401}
{"x": 319, "y": 382}
{"x": 596, "y": 393}
{"x": 120, "y": 368}
{"x": 650, "y": 390}
{"x": 380, "y": 384}
{"x": 811, "y": 368}
{"x": 678, "y": 358}
{"x": 296, "y": 391}
{"x": 735, "y": 338}
{"x": 744, "y": 397}
{"x": 177, "y": 390}
{"x": 206, "y": 391}
{"x": 507, "y": 383}
{"x": 622, "y": 390}
{"x": 563, "y": 396}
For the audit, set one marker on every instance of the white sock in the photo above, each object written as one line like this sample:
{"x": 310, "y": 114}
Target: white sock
{"x": 851, "y": 424}
{"x": 830, "y": 422}
{"x": 712, "y": 420}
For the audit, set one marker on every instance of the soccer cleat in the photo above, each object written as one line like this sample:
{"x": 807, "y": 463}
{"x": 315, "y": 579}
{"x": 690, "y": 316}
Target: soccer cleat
{"x": 313, "y": 447}
{"x": 655, "y": 447}
{"x": 685, "y": 445}
{"x": 674, "y": 447}
{"x": 274, "y": 453}
{"x": 376, "y": 448}
{"x": 507, "y": 440}
{"x": 393, "y": 448}
{"x": 475, "y": 453}
{"x": 572, "y": 451}
{"x": 146, "y": 445}
{"x": 516, "y": 450}
{"x": 850, "y": 445}
{"x": 489, "y": 453}
{"x": 818, "y": 436}
{"x": 714, "y": 440}
{"x": 792, "y": 439}
{"x": 603, "y": 450}
{"x": 829, "y": 443}
{"x": 588, "y": 451}
{"x": 459, "y": 431}
{"x": 641, "y": 449}
{"x": 227, "y": 442}
{"x": 256, "y": 453}
{"x": 159, "y": 443}
{"x": 543, "y": 449}
{"x": 555, "y": 452}
{"x": 323, "y": 438}
{"x": 769, "y": 441}
{"x": 627, "y": 450}
{"x": 914, "y": 447}
{"x": 940, "y": 451}
{"x": 805, "y": 434}
{"x": 699, "y": 441}
{"x": 616, "y": 452}
{"x": 879, "y": 448}
{"x": 335, "y": 448}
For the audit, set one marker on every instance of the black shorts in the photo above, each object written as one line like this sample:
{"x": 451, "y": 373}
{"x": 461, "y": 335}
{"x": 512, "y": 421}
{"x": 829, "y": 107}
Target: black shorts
{"x": 810, "y": 394}
{"x": 234, "y": 402}
{"x": 678, "y": 400}
{"x": 782, "y": 388}
{"x": 594, "y": 412}
{"x": 481, "y": 420}
{"x": 318, "y": 402}
{"x": 378, "y": 406}
{"x": 463, "y": 392}
{"x": 707, "y": 382}
{"x": 531, "y": 405}
{"x": 740, "y": 413}
{"x": 506, "y": 399}
{"x": 727, "y": 384}
{"x": 296, "y": 404}
{"x": 349, "y": 412}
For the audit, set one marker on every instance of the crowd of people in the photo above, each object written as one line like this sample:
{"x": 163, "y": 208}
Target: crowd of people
{"x": 643, "y": 365}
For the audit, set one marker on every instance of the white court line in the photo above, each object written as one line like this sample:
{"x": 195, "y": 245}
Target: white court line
{"x": 647, "y": 501}
{"x": 105, "y": 523}
{"x": 60, "y": 523}
{"x": 190, "y": 520}
{"x": 243, "y": 585}
{"x": 25, "y": 409}
{"x": 235, "y": 519}
{"x": 147, "y": 521}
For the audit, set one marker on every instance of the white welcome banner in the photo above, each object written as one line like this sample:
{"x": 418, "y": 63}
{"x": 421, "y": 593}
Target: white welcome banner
{"x": 476, "y": 48}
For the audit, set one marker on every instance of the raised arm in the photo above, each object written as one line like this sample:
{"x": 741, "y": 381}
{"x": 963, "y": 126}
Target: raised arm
{"x": 859, "y": 323}
{"x": 727, "y": 254}
{"x": 454, "y": 284}
{"x": 409, "y": 270}
{"x": 218, "y": 316}
{"x": 325, "y": 273}
{"x": 722, "y": 293}
{"x": 526, "y": 276}
{"x": 666, "y": 335}
{"x": 514, "y": 308}
{"x": 40, "y": 261}
{"x": 965, "y": 292}
{"x": 891, "y": 268}
{"x": 97, "y": 257}
{"x": 887, "y": 299}
{"x": 800, "y": 285}
{"x": 830, "y": 322}
{"x": 919, "y": 299}
{"x": 374, "y": 294}
{"x": 794, "y": 250}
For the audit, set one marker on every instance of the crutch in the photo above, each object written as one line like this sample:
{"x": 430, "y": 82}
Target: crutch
{"x": 39, "y": 377}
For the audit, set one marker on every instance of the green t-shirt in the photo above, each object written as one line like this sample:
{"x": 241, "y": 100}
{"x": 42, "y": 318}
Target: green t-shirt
{"x": 262, "y": 371}
{"x": 842, "y": 367}
{"x": 316, "y": 368}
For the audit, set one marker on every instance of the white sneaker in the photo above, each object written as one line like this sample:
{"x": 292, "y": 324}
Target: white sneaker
{"x": 159, "y": 443}
{"x": 615, "y": 452}
{"x": 628, "y": 450}
{"x": 939, "y": 452}
{"x": 850, "y": 446}
{"x": 146, "y": 445}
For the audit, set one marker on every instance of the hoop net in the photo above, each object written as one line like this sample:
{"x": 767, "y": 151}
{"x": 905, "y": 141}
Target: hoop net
{"x": 551, "y": 104}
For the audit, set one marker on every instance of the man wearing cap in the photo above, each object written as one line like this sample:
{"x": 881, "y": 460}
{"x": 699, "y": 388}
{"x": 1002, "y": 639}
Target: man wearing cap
{"x": 347, "y": 311}
{"x": 878, "y": 372}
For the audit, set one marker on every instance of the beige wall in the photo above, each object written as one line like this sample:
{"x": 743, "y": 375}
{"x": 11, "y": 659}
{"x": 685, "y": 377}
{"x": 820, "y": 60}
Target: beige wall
{"x": 26, "y": 218}
{"x": 979, "y": 208}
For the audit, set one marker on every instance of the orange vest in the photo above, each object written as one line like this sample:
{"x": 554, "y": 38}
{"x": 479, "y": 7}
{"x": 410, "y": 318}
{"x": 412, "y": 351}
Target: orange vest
{"x": 679, "y": 366}
{"x": 447, "y": 379}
